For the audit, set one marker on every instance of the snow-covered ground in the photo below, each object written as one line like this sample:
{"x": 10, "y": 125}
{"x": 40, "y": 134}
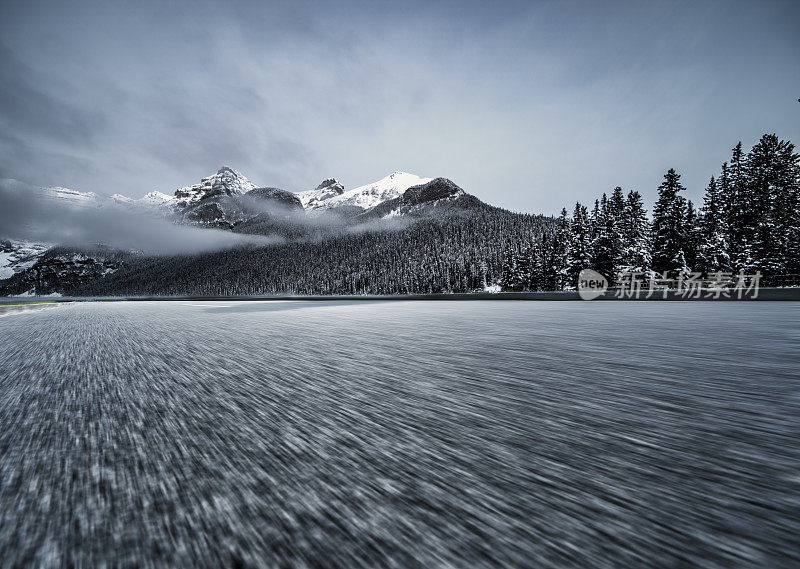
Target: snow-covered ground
{"x": 5, "y": 265}
{"x": 400, "y": 434}
{"x": 32, "y": 292}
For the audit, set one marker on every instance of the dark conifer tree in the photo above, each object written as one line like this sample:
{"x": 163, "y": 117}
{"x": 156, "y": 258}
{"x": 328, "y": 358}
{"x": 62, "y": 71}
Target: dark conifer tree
{"x": 605, "y": 245}
{"x": 616, "y": 204}
{"x": 615, "y": 222}
{"x": 515, "y": 272}
{"x": 712, "y": 254}
{"x": 580, "y": 252}
{"x": 547, "y": 265}
{"x": 533, "y": 277}
{"x": 692, "y": 236}
{"x": 669, "y": 226}
{"x": 772, "y": 204}
{"x": 506, "y": 280}
{"x": 594, "y": 218}
{"x": 525, "y": 269}
{"x": 562, "y": 244}
{"x": 540, "y": 272}
{"x": 739, "y": 215}
{"x": 635, "y": 235}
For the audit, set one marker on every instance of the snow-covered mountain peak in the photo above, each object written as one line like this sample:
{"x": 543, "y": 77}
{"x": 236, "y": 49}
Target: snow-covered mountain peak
{"x": 72, "y": 197}
{"x": 120, "y": 199}
{"x": 317, "y": 197}
{"x": 330, "y": 183}
{"x": 155, "y": 198}
{"x": 370, "y": 195}
{"x": 333, "y": 194}
{"x": 230, "y": 180}
{"x": 226, "y": 181}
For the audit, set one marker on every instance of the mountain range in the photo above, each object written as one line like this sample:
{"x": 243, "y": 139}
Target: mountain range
{"x": 228, "y": 201}
{"x": 228, "y": 198}
{"x": 401, "y": 234}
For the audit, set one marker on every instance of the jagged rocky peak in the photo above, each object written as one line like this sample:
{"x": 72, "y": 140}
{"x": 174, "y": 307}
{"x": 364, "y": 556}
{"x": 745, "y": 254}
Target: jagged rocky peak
{"x": 328, "y": 189}
{"x": 278, "y": 196}
{"x": 436, "y": 189}
{"x": 331, "y": 184}
{"x": 226, "y": 181}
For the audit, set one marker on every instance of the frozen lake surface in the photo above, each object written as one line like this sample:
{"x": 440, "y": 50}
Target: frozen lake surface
{"x": 406, "y": 434}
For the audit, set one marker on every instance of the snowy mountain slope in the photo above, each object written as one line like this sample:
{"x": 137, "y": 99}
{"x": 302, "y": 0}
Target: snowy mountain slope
{"x": 221, "y": 200}
{"x": 226, "y": 181}
{"x": 329, "y": 188}
{"x": 153, "y": 200}
{"x": 17, "y": 256}
{"x": 218, "y": 200}
{"x": 277, "y": 196}
{"x": 228, "y": 211}
{"x": 419, "y": 199}
{"x": 59, "y": 268}
{"x": 77, "y": 199}
{"x": 73, "y": 198}
{"x": 228, "y": 200}
{"x": 363, "y": 197}
{"x": 122, "y": 200}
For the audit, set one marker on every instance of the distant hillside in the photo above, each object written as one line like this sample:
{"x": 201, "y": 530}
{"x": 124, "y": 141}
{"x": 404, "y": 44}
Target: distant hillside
{"x": 379, "y": 238}
{"x": 454, "y": 246}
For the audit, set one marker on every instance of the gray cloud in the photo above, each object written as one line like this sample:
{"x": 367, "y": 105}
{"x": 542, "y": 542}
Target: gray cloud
{"x": 29, "y": 105}
{"x": 28, "y": 216}
{"x": 526, "y": 105}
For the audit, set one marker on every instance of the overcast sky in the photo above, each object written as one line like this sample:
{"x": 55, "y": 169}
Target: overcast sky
{"x": 527, "y": 105}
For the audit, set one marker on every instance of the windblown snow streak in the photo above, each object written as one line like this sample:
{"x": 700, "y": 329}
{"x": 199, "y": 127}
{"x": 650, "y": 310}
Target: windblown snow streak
{"x": 431, "y": 434}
